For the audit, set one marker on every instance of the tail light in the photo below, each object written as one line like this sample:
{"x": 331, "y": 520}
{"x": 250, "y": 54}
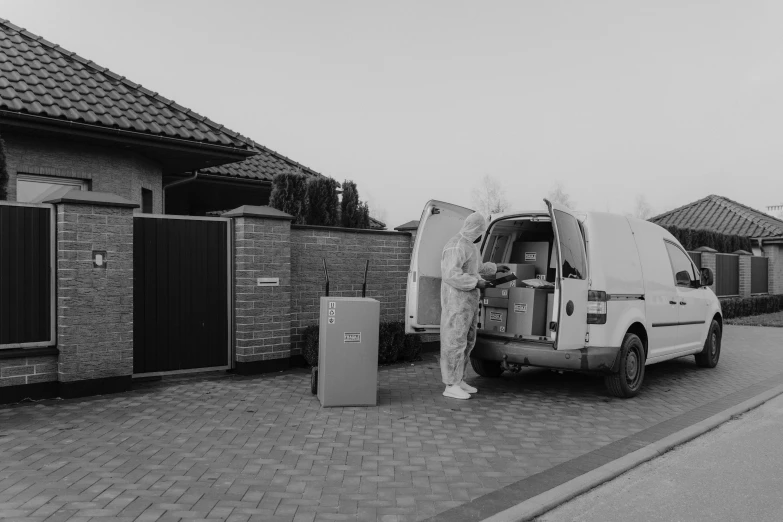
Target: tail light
{"x": 596, "y": 307}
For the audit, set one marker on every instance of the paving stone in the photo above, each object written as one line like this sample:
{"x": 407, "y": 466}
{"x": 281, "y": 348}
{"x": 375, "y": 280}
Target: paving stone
{"x": 246, "y": 448}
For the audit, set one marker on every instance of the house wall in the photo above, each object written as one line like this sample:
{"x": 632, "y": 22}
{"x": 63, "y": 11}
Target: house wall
{"x": 109, "y": 169}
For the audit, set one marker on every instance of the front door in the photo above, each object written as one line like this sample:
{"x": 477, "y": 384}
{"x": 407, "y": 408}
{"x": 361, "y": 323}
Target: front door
{"x": 439, "y": 222}
{"x": 570, "y": 306}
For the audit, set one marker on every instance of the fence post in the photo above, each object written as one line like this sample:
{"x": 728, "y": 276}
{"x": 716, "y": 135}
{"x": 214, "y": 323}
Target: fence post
{"x": 94, "y": 293}
{"x": 744, "y": 272}
{"x": 775, "y": 255}
{"x": 262, "y": 309}
{"x": 708, "y": 260}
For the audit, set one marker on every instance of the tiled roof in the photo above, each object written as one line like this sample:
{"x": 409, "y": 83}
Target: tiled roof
{"x": 263, "y": 166}
{"x": 42, "y": 79}
{"x": 723, "y": 215}
{"x": 410, "y": 225}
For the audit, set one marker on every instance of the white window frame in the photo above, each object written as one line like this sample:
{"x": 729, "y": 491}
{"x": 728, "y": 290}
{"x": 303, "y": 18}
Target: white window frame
{"x": 81, "y": 184}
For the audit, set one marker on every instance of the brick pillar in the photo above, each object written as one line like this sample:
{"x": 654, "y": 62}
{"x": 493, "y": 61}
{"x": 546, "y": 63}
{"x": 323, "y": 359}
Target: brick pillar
{"x": 775, "y": 255}
{"x": 262, "y": 314}
{"x": 708, "y": 260}
{"x": 94, "y": 302}
{"x": 744, "y": 273}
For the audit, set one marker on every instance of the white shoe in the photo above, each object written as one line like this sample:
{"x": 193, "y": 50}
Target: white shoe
{"x": 467, "y": 387}
{"x": 455, "y": 392}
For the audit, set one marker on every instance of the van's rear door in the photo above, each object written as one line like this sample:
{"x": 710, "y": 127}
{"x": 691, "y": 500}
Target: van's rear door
{"x": 572, "y": 283}
{"x": 439, "y": 222}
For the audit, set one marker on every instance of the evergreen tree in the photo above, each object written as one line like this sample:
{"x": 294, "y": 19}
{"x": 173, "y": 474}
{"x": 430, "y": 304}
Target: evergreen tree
{"x": 289, "y": 194}
{"x": 350, "y": 207}
{"x": 3, "y": 172}
{"x": 322, "y": 207}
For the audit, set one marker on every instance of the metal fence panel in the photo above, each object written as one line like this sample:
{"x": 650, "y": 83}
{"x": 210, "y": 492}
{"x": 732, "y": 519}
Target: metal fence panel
{"x": 26, "y": 302}
{"x": 696, "y": 257}
{"x": 726, "y": 274}
{"x": 759, "y": 275}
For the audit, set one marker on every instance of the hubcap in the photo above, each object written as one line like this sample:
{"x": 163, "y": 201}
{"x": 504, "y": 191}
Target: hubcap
{"x": 631, "y": 366}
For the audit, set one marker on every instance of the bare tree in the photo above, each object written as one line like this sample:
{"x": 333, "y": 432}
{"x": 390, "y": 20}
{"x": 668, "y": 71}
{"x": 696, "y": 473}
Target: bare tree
{"x": 488, "y": 197}
{"x": 560, "y": 196}
{"x": 642, "y": 210}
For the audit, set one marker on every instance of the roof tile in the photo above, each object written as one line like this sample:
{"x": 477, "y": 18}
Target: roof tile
{"x": 39, "y": 77}
{"x": 723, "y": 215}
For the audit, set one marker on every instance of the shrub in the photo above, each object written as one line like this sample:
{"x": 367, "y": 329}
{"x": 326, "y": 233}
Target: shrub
{"x": 691, "y": 239}
{"x": 350, "y": 207}
{"x": 322, "y": 206}
{"x": 746, "y": 306}
{"x": 393, "y": 343}
{"x": 289, "y": 194}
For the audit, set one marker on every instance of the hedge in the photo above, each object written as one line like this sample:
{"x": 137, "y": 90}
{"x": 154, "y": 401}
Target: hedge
{"x": 691, "y": 239}
{"x": 393, "y": 344}
{"x": 746, "y": 306}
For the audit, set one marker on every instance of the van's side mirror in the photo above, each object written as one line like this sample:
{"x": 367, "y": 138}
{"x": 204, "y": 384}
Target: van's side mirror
{"x": 683, "y": 278}
{"x": 706, "y": 277}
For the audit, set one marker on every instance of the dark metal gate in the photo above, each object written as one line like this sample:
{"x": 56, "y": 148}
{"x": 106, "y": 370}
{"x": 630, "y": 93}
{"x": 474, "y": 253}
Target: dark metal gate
{"x": 181, "y": 281}
{"x": 726, "y": 274}
{"x": 26, "y": 275}
{"x": 759, "y": 275}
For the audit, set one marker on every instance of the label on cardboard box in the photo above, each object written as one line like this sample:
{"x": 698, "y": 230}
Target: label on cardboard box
{"x": 495, "y": 316}
{"x": 530, "y": 256}
{"x": 353, "y": 337}
{"x": 520, "y": 308}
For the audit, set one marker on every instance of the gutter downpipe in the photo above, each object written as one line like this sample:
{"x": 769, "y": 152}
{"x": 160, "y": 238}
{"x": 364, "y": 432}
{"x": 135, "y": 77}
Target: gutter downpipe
{"x": 175, "y": 183}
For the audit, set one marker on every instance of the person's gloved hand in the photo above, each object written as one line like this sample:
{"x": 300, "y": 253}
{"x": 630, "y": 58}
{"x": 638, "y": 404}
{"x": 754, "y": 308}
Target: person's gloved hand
{"x": 481, "y": 285}
{"x": 502, "y": 269}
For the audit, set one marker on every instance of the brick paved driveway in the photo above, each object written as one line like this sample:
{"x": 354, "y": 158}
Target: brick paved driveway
{"x": 261, "y": 448}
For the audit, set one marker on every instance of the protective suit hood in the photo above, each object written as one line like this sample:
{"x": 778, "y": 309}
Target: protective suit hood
{"x": 474, "y": 227}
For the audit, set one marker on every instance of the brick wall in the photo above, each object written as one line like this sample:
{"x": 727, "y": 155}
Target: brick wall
{"x": 744, "y": 275}
{"x": 109, "y": 169}
{"x": 94, "y": 305}
{"x": 775, "y": 255}
{"x": 263, "y": 320}
{"x": 346, "y": 252}
{"x": 28, "y": 370}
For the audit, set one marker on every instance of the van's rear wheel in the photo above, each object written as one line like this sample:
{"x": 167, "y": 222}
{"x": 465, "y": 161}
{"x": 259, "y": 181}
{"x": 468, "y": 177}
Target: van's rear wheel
{"x": 708, "y": 357}
{"x": 486, "y": 368}
{"x": 628, "y": 380}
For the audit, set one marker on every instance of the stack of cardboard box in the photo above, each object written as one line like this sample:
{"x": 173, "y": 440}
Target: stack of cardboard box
{"x": 518, "y": 311}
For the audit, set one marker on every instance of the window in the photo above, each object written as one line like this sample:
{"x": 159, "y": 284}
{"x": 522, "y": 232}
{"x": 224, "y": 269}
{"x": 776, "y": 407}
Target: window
{"x": 571, "y": 246}
{"x": 682, "y": 268}
{"x": 146, "y": 201}
{"x": 35, "y": 189}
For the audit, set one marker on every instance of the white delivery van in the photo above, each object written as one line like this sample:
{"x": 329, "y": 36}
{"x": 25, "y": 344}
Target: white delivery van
{"x": 625, "y": 293}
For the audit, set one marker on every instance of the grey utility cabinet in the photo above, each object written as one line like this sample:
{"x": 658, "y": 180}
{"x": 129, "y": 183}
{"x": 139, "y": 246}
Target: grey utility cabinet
{"x": 348, "y": 351}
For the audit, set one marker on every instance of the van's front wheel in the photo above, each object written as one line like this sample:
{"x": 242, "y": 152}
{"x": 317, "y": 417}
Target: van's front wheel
{"x": 708, "y": 357}
{"x": 486, "y": 368}
{"x": 628, "y": 380}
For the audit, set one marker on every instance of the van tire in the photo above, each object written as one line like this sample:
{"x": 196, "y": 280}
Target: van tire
{"x": 486, "y": 368}
{"x": 628, "y": 380}
{"x": 708, "y": 357}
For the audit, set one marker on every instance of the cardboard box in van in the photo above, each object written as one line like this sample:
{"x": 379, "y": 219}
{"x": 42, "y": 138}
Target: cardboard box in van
{"x": 495, "y": 302}
{"x": 494, "y": 319}
{"x": 495, "y": 292}
{"x": 527, "y": 309}
{"x": 532, "y": 253}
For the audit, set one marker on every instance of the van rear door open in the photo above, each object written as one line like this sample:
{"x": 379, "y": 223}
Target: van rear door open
{"x": 570, "y": 308}
{"x": 439, "y": 222}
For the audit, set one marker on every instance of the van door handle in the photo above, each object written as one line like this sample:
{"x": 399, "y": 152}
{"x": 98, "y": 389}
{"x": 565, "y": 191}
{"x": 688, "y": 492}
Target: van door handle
{"x": 683, "y": 303}
{"x": 673, "y": 302}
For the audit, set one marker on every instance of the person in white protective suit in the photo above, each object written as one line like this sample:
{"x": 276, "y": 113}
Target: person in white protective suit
{"x": 461, "y": 270}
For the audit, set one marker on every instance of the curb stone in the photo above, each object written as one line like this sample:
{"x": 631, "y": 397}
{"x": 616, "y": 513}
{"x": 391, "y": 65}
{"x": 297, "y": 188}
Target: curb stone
{"x": 540, "y": 504}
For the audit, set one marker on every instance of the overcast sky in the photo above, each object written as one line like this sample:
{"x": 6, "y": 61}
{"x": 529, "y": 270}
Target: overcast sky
{"x": 418, "y": 100}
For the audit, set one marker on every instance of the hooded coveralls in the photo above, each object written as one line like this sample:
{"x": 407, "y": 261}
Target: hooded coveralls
{"x": 460, "y": 267}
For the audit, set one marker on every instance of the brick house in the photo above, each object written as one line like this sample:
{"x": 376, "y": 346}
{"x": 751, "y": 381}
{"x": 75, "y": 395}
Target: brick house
{"x": 70, "y": 124}
{"x": 721, "y": 214}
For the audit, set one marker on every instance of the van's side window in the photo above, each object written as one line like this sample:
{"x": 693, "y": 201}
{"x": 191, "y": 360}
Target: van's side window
{"x": 571, "y": 246}
{"x": 680, "y": 263}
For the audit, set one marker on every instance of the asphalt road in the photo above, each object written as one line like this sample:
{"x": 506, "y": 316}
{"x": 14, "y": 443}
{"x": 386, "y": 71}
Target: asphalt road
{"x": 732, "y": 473}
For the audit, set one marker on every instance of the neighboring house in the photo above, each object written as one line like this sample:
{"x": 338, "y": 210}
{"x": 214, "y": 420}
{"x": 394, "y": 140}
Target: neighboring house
{"x": 775, "y": 210}
{"x": 721, "y": 214}
{"x": 411, "y": 226}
